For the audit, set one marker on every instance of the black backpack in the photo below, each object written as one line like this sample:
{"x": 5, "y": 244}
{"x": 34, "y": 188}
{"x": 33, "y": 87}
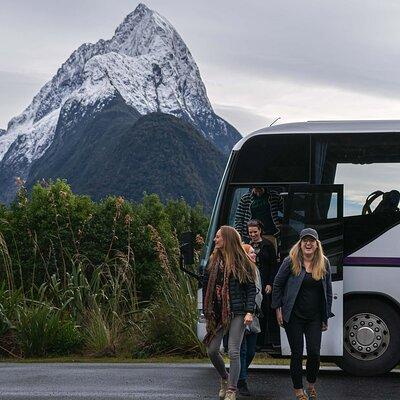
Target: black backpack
{"x": 389, "y": 203}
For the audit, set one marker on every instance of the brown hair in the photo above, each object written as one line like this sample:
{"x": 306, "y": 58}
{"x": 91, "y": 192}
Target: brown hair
{"x": 255, "y": 223}
{"x": 234, "y": 256}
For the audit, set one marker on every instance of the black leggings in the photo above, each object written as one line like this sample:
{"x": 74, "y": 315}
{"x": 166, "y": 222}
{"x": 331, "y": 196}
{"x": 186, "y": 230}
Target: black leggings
{"x": 311, "y": 329}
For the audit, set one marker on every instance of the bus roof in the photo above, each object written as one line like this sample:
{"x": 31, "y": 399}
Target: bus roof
{"x": 314, "y": 127}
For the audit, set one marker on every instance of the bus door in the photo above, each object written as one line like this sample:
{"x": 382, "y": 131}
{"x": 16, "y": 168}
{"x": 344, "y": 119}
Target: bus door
{"x": 319, "y": 207}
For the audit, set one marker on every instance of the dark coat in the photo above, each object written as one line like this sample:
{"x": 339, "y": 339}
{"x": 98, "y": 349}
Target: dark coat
{"x": 286, "y": 287}
{"x": 242, "y": 295}
{"x": 266, "y": 263}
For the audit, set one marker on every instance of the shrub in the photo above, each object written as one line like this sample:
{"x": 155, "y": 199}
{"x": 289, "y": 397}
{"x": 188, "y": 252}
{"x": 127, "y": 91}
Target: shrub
{"x": 41, "y": 330}
{"x": 66, "y": 261}
{"x": 169, "y": 325}
{"x": 5, "y": 323}
{"x": 9, "y": 301}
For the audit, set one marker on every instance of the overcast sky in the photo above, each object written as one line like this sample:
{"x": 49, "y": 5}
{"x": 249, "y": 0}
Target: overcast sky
{"x": 260, "y": 60}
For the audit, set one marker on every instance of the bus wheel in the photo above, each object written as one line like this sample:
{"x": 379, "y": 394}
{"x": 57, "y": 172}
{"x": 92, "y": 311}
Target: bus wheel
{"x": 370, "y": 337}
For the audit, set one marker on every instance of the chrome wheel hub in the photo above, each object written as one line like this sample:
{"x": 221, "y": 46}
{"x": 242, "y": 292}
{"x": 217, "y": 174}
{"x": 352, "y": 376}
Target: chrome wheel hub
{"x": 366, "y": 336}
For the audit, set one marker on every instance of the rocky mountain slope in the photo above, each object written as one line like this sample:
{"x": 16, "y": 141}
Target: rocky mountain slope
{"x": 119, "y": 151}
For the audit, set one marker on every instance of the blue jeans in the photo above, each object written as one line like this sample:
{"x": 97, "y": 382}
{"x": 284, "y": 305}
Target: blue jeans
{"x": 247, "y": 353}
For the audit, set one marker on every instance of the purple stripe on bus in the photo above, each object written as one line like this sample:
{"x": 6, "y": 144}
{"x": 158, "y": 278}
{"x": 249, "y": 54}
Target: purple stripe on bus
{"x": 372, "y": 260}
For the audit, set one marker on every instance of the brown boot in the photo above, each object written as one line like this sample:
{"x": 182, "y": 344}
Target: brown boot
{"x": 230, "y": 395}
{"x": 312, "y": 394}
{"x": 302, "y": 397}
{"x": 223, "y": 389}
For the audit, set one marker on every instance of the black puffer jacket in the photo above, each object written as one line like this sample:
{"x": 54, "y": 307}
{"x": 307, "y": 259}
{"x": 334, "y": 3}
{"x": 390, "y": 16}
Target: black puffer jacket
{"x": 242, "y": 295}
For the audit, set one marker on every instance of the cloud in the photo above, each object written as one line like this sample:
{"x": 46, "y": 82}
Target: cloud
{"x": 352, "y": 46}
{"x": 243, "y": 119}
{"x": 16, "y": 92}
{"x": 260, "y": 60}
{"x": 270, "y": 98}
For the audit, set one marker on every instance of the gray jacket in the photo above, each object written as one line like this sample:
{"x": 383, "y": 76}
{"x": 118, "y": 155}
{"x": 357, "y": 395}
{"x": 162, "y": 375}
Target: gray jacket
{"x": 286, "y": 287}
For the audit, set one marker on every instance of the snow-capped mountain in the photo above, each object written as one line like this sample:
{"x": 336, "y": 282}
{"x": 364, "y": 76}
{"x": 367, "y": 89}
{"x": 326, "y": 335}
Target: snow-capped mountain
{"x": 146, "y": 62}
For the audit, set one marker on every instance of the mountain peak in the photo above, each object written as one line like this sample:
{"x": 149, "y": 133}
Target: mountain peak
{"x": 142, "y": 32}
{"x": 141, "y": 9}
{"x": 134, "y": 18}
{"x": 146, "y": 62}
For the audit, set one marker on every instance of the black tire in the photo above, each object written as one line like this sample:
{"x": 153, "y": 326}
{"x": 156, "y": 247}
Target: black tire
{"x": 390, "y": 347}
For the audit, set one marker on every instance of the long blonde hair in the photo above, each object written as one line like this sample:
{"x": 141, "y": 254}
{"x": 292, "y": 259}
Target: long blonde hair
{"x": 318, "y": 262}
{"x": 233, "y": 255}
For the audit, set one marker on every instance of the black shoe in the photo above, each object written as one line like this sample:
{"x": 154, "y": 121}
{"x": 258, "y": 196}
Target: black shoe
{"x": 243, "y": 389}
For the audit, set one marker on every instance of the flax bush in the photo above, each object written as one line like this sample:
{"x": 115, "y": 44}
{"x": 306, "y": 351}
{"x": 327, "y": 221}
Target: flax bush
{"x": 43, "y": 330}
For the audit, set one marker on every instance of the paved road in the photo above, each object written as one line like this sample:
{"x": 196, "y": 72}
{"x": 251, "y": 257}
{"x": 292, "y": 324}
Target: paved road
{"x": 171, "y": 381}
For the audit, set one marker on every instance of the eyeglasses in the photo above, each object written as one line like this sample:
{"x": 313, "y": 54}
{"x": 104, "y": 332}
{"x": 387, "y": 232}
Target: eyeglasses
{"x": 308, "y": 240}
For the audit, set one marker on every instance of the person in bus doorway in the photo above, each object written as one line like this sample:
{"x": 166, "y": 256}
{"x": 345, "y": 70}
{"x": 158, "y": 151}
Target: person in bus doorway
{"x": 248, "y": 347}
{"x": 262, "y": 204}
{"x": 267, "y": 265}
{"x": 229, "y": 293}
{"x": 302, "y": 297}
{"x": 265, "y": 254}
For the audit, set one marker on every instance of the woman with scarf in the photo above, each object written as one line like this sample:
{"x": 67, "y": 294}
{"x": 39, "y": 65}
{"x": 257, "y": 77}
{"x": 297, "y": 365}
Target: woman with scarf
{"x": 229, "y": 293}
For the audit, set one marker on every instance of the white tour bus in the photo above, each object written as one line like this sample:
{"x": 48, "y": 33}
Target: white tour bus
{"x": 325, "y": 172}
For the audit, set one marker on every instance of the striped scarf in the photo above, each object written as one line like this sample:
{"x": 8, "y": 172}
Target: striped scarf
{"x": 213, "y": 322}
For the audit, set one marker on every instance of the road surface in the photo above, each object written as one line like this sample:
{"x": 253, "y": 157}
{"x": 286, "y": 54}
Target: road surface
{"x": 172, "y": 381}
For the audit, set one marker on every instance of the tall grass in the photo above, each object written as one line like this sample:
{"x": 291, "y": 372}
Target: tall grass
{"x": 98, "y": 278}
{"x": 169, "y": 325}
{"x": 7, "y": 262}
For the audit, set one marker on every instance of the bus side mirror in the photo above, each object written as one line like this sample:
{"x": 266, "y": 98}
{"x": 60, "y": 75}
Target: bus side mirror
{"x": 187, "y": 247}
{"x": 187, "y": 254}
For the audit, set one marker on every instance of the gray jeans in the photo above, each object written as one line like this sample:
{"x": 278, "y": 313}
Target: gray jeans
{"x": 236, "y": 332}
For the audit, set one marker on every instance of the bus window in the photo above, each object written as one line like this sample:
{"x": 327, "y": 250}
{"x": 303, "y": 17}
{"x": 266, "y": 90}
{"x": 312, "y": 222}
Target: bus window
{"x": 283, "y": 158}
{"x": 363, "y": 163}
{"x": 318, "y": 206}
{"x": 237, "y": 195}
{"x": 356, "y": 157}
{"x": 360, "y": 180}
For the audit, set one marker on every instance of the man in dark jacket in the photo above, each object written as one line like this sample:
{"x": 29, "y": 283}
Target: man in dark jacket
{"x": 261, "y": 204}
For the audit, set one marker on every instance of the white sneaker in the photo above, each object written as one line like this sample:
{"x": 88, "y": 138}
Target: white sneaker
{"x": 230, "y": 395}
{"x": 223, "y": 389}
